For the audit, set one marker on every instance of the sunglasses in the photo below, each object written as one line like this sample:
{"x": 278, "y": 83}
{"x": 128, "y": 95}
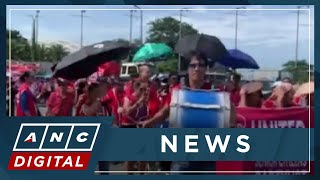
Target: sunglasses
{"x": 199, "y": 65}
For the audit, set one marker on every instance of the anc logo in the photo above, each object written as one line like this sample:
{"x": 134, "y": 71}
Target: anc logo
{"x": 53, "y": 146}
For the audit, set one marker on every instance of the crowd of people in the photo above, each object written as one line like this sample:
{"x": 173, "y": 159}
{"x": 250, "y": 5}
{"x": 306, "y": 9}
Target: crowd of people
{"x": 145, "y": 103}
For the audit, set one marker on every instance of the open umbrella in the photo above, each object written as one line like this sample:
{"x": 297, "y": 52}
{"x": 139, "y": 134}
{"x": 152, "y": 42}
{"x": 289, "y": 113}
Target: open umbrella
{"x": 86, "y": 61}
{"x": 152, "y": 51}
{"x": 237, "y": 59}
{"x": 211, "y": 46}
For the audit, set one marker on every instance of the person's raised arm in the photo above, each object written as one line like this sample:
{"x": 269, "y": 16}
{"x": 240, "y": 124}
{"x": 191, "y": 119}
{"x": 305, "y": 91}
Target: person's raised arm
{"x": 158, "y": 118}
{"x": 242, "y": 102}
{"x": 129, "y": 107}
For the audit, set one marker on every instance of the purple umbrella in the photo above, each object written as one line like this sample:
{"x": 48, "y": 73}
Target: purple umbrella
{"x": 237, "y": 59}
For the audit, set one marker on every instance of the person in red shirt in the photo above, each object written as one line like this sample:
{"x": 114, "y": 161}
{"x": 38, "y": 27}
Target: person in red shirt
{"x": 61, "y": 101}
{"x": 81, "y": 94}
{"x": 235, "y": 93}
{"x": 81, "y": 100}
{"x": 92, "y": 106}
{"x": 81, "y": 87}
{"x": 281, "y": 97}
{"x": 136, "y": 109}
{"x": 128, "y": 87}
{"x": 195, "y": 80}
{"x": 251, "y": 95}
{"x": 136, "y": 105}
{"x": 305, "y": 93}
{"x": 173, "y": 81}
{"x": 144, "y": 77}
{"x": 114, "y": 100}
{"x": 25, "y": 100}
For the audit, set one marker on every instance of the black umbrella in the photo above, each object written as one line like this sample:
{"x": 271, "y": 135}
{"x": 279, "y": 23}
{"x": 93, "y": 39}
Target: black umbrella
{"x": 211, "y": 46}
{"x": 86, "y": 61}
{"x": 53, "y": 67}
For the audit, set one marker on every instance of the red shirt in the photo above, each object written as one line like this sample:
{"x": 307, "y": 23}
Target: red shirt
{"x": 60, "y": 105}
{"x": 153, "y": 97}
{"x": 31, "y": 101}
{"x": 128, "y": 89}
{"x": 269, "y": 104}
{"x": 297, "y": 100}
{"x": 115, "y": 100}
{"x": 235, "y": 96}
{"x": 153, "y": 103}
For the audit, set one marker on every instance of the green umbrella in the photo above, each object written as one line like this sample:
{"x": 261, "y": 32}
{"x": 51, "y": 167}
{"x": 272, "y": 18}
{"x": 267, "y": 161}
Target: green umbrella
{"x": 152, "y": 51}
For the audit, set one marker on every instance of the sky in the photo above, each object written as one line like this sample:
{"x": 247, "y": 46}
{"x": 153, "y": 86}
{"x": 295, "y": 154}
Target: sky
{"x": 269, "y": 36}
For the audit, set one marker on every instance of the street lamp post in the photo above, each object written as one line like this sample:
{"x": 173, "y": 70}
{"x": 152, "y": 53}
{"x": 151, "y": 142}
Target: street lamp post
{"x": 37, "y": 26}
{"x": 297, "y": 35}
{"x": 130, "y": 31}
{"x": 141, "y": 23}
{"x": 81, "y": 35}
{"x": 33, "y": 36}
{"x": 236, "y": 27}
{"x": 180, "y": 35}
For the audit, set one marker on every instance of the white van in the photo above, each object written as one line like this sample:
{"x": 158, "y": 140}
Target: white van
{"x": 133, "y": 68}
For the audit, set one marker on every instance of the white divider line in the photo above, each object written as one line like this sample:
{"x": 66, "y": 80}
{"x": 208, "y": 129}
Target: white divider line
{"x": 44, "y": 136}
{"x": 69, "y": 137}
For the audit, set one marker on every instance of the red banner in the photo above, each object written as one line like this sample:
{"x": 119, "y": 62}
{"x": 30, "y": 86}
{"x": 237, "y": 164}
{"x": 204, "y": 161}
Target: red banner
{"x": 275, "y": 118}
{"x": 296, "y": 117}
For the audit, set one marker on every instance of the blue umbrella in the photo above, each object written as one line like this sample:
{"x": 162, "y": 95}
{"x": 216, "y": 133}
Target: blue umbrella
{"x": 237, "y": 59}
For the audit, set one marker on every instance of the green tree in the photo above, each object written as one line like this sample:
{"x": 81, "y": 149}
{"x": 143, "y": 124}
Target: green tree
{"x": 56, "y": 52}
{"x": 42, "y": 52}
{"x": 20, "y": 47}
{"x": 169, "y": 66}
{"x": 300, "y": 72}
{"x": 166, "y": 30}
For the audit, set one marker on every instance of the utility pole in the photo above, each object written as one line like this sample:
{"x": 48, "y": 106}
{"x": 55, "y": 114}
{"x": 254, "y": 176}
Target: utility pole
{"x": 33, "y": 40}
{"x": 81, "y": 36}
{"x": 180, "y": 35}
{"x": 37, "y": 26}
{"x": 82, "y": 16}
{"x": 130, "y": 30}
{"x": 141, "y": 26}
{"x": 141, "y": 23}
{"x": 236, "y": 30}
{"x": 236, "y": 27}
{"x": 297, "y": 35}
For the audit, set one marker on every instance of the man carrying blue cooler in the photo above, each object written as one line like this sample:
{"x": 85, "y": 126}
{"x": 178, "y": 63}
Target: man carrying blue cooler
{"x": 195, "y": 81}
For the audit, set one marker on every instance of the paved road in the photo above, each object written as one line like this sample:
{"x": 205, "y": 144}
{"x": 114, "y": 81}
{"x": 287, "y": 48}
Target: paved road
{"x": 43, "y": 109}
